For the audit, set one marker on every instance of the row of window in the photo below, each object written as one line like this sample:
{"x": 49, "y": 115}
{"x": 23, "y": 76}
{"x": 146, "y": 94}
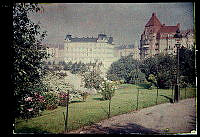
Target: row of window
{"x": 89, "y": 59}
{"x": 84, "y": 48}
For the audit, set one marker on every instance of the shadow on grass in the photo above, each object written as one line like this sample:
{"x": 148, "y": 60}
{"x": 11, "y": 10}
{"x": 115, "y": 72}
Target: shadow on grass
{"x": 170, "y": 99}
{"x": 144, "y": 86}
{"x": 129, "y": 128}
{"x": 76, "y": 101}
{"x": 35, "y": 130}
{"x": 100, "y": 99}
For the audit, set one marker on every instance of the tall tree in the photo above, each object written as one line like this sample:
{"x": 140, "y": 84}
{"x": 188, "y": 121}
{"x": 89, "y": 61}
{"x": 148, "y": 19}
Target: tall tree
{"x": 187, "y": 65}
{"x": 124, "y": 69}
{"x": 162, "y": 67}
{"x": 27, "y": 53}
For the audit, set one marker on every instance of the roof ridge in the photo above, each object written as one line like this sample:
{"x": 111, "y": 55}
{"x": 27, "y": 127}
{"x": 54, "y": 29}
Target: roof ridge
{"x": 154, "y": 21}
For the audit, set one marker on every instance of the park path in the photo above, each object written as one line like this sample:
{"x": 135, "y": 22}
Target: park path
{"x": 164, "y": 118}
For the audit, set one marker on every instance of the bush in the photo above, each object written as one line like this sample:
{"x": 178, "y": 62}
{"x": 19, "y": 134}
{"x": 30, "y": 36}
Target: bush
{"x": 107, "y": 90}
{"x": 62, "y": 99}
{"x": 32, "y": 106}
{"x": 51, "y": 101}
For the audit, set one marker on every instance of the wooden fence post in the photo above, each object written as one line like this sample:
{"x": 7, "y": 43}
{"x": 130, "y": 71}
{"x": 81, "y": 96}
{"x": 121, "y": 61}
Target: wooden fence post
{"x": 109, "y": 108}
{"x": 137, "y": 98}
{"x": 157, "y": 96}
{"x": 66, "y": 118}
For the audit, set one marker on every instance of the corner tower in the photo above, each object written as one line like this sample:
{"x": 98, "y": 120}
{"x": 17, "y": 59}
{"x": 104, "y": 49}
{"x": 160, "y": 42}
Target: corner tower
{"x": 148, "y": 37}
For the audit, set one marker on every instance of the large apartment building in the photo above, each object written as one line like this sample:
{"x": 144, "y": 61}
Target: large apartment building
{"x": 158, "y": 38}
{"x": 89, "y": 50}
{"x": 125, "y": 50}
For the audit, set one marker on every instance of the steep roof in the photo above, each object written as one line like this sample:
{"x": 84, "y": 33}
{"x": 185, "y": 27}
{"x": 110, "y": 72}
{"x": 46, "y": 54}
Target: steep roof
{"x": 83, "y": 39}
{"x": 168, "y": 29}
{"x": 154, "y": 21}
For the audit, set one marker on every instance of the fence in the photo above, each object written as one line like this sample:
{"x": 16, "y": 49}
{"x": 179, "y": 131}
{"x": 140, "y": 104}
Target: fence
{"x": 126, "y": 99}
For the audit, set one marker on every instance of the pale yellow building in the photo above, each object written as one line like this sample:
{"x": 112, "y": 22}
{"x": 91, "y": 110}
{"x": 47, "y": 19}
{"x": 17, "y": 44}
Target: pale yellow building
{"x": 125, "y": 50}
{"x": 56, "y": 52}
{"x": 89, "y": 50}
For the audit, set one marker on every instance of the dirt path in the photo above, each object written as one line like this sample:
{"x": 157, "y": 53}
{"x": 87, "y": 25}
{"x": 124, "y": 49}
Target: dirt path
{"x": 164, "y": 118}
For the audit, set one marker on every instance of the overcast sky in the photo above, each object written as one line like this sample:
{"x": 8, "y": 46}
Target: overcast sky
{"x": 124, "y": 22}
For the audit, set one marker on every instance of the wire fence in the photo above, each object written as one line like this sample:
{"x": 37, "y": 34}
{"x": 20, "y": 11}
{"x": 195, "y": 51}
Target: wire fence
{"x": 94, "y": 109}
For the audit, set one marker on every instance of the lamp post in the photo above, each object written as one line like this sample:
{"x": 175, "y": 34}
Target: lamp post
{"x": 177, "y": 37}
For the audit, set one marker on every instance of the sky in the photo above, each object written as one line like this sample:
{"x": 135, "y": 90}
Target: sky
{"x": 124, "y": 22}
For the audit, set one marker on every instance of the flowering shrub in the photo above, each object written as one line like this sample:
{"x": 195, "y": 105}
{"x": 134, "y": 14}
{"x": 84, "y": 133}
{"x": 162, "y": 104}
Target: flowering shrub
{"x": 51, "y": 100}
{"x": 57, "y": 83}
{"x": 107, "y": 89}
{"x": 62, "y": 99}
{"x": 32, "y": 106}
{"x": 40, "y": 101}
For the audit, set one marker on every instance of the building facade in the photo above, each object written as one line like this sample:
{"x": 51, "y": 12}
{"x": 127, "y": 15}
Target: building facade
{"x": 159, "y": 38}
{"x": 56, "y": 52}
{"x": 125, "y": 50}
{"x": 89, "y": 50}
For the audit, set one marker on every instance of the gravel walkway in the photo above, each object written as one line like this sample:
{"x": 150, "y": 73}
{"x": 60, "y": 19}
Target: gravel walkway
{"x": 160, "y": 119}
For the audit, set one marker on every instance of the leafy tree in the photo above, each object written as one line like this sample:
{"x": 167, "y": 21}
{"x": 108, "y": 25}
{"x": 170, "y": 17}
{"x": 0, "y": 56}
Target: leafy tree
{"x": 56, "y": 83}
{"x": 126, "y": 68}
{"x": 187, "y": 65}
{"x": 152, "y": 79}
{"x": 92, "y": 78}
{"x": 77, "y": 67}
{"x": 162, "y": 67}
{"x": 27, "y": 54}
{"x": 107, "y": 89}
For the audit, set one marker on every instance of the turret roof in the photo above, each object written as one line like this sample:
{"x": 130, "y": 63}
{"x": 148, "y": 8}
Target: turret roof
{"x": 154, "y": 21}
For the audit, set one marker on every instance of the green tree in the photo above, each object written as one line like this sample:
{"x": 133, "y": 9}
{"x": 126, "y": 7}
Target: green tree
{"x": 162, "y": 66}
{"x": 92, "y": 78}
{"x": 187, "y": 65}
{"x": 27, "y": 54}
{"x": 126, "y": 68}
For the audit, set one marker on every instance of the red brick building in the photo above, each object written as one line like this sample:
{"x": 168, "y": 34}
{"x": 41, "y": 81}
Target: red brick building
{"x": 158, "y": 38}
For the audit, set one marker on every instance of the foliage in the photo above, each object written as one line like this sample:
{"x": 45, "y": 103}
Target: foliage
{"x": 92, "y": 78}
{"x": 107, "y": 89}
{"x": 152, "y": 79}
{"x": 159, "y": 70}
{"x": 78, "y": 68}
{"x": 67, "y": 66}
{"x": 62, "y": 99}
{"x": 51, "y": 100}
{"x": 32, "y": 106}
{"x": 187, "y": 65}
{"x": 56, "y": 83}
{"x": 27, "y": 54}
{"x": 126, "y": 69}
{"x": 164, "y": 68}
{"x": 94, "y": 110}
{"x": 74, "y": 68}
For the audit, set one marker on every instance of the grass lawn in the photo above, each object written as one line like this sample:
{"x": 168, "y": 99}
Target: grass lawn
{"x": 95, "y": 110}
